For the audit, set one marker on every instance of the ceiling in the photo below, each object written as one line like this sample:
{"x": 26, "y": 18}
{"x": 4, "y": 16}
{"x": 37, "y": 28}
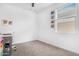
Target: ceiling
{"x": 28, "y": 6}
{"x": 37, "y": 8}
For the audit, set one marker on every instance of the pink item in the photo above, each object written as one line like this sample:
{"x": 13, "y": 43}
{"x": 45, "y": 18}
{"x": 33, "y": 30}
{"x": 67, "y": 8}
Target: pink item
{"x": 1, "y": 39}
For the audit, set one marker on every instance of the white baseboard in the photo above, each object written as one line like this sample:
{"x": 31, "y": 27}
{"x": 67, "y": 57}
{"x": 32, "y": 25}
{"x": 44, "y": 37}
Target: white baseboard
{"x": 57, "y": 45}
{"x": 23, "y": 41}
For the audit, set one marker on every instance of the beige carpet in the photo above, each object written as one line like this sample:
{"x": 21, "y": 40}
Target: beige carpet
{"x": 38, "y": 48}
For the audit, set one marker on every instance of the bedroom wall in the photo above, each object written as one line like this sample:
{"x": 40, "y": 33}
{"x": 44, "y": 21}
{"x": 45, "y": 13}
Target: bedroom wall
{"x": 24, "y": 25}
{"x": 68, "y": 41}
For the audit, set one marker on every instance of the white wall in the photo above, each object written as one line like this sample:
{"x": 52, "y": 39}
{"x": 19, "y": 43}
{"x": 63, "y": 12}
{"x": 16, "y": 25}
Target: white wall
{"x": 24, "y": 24}
{"x": 69, "y": 41}
{"x": 77, "y": 21}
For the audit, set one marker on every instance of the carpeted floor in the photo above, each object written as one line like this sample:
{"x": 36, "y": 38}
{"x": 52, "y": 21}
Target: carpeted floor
{"x": 38, "y": 48}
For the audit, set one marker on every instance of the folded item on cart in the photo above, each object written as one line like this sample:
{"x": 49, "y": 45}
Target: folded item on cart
{"x": 1, "y": 51}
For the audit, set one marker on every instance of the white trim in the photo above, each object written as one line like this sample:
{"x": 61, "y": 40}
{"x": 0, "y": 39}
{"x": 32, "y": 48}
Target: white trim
{"x": 57, "y": 45}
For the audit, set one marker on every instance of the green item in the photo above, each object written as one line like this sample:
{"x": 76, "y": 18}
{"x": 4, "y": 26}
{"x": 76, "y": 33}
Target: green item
{"x": 14, "y": 48}
{"x": 1, "y": 51}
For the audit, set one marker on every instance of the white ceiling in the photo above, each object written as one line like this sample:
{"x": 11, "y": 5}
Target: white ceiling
{"x": 38, "y": 6}
{"x": 28, "y": 6}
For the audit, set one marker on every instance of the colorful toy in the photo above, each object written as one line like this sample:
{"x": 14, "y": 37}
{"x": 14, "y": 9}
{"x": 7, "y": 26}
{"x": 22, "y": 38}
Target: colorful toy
{"x": 1, "y": 46}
